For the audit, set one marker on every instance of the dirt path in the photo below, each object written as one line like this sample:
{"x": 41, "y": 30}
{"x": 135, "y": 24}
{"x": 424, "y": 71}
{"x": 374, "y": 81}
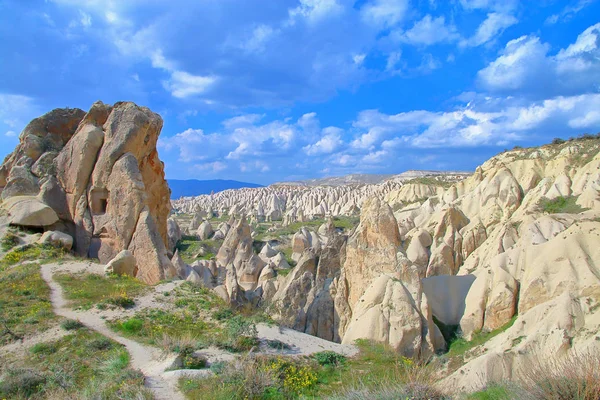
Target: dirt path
{"x": 147, "y": 359}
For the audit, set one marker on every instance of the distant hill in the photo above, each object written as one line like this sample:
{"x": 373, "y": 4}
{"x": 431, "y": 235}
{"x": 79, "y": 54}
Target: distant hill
{"x": 194, "y": 187}
{"x": 370, "y": 179}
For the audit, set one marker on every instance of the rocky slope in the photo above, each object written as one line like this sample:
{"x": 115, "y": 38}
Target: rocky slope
{"x": 95, "y": 180}
{"x": 301, "y": 202}
{"x": 517, "y": 239}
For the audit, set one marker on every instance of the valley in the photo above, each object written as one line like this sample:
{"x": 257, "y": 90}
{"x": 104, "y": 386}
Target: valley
{"x": 424, "y": 285}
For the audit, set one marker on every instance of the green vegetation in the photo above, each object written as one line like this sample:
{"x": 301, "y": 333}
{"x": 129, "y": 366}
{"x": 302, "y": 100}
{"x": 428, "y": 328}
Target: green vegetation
{"x": 42, "y": 254}
{"x": 74, "y": 366}
{"x": 88, "y": 290}
{"x": 341, "y": 222}
{"x": 190, "y": 324}
{"x": 493, "y": 392}
{"x": 25, "y": 306}
{"x": 329, "y": 358}
{"x": 460, "y": 346}
{"x": 9, "y": 240}
{"x": 190, "y": 247}
{"x": 561, "y": 205}
{"x": 375, "y": 369}
{"x": 71, "y": 324}
{"x": 431, "y": 181}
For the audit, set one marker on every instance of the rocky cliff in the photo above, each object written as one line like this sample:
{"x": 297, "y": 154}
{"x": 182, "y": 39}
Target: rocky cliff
{"x": 514, "y": 242}
{"x": 95, "y": 176}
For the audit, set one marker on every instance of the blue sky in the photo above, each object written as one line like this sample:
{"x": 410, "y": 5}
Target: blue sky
{"x": 264, "y": 91}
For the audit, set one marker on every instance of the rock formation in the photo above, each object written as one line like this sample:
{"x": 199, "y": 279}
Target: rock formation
{"x": 97, "y": 177}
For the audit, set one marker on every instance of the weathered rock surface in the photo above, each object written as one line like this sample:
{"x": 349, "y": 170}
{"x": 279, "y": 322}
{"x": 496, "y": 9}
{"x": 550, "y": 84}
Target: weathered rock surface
{"x": 99, "y": 173}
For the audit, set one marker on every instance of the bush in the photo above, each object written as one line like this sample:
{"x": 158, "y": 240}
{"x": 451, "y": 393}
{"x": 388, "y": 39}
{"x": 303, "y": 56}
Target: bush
{"x": 101, "y": 344}
{"x": 574, "y": 377}
{"x": 44, "y": 348}
{"x": 21, "y": 382}
{"x": 560, "y": 205}
{"x": 132, "y": 325}
{"x": 71, "y": 324}
{"x": 278, "y": 345}
{"x": 329, "y": 358}
{"x": 121, "y": 300}
{"x": 558, "y": 141}
{"x": 222, "y": 314}
{"x": 9, "y": 241}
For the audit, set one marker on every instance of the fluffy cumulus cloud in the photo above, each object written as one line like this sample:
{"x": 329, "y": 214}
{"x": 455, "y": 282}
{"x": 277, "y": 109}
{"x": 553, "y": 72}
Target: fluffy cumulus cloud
{"x": 526, "y": 66}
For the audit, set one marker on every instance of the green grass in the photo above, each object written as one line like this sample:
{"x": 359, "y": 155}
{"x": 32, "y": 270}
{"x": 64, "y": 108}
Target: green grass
{"x": 42, "y": 254}
{"x": 322, "y": 376}
{"x": 196, "y": 316}
{"x": 492, "y": 392}
{"x": 25, "y": 307}
{"x": 561, "y": 205}
{"x": 85, "y": 291}
{"x": 9, "y": 240}
{"x": 74, "y": 366}
{"x": 189, "y": 247}
{"x": 430, "y": 181}
{"x": 460, "y": 346}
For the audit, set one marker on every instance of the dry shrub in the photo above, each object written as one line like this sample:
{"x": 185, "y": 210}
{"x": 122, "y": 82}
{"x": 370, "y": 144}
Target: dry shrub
{"x": 249, "y": 376}
{"x": 412, "y": 380}
{"x": 574, "y": 377}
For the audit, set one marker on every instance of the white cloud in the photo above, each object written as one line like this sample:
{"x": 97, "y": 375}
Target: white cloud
{"x": 194, "y": 145}
{"x": 10, "y": 133}
{"x": 524, "y": 64}
{"x": 467, "y": 126}
{"x": 359, "y": 58}
{"x": 496, "y": 5}
{"x": 213, "y": 167}
{"x": 490, "y": 29}
{"x": 258, "y": 39}
{"x": 314, "y": 10}
{"x": 330, "y": 142}
{"x": 568, "y": 12}
{"x": 183, "y": 84}
{"x": 242, "y": 120}
{"x": 520, "y": 62}
{"x": 385, "y": 13}
{"x": 429, "y": 31}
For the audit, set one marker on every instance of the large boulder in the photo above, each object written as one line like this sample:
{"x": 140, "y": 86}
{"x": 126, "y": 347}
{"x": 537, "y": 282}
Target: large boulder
{"x": 57, "y": 239}
{"x": 100, "y": 174}
{"x": 122, "y": 264}
{"x": 29, "y": 212}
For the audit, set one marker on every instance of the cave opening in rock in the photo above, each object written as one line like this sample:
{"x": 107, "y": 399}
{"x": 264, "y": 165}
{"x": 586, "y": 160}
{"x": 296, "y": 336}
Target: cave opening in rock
{"x": 99, "y": 197}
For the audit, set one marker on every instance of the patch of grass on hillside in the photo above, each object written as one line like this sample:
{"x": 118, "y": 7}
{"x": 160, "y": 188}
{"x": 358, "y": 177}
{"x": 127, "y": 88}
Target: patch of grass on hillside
{"x": 189, "y": 247}
{"x": 9, "y": 240}
{"x": 84, "y": 364}
{"x": 198, "y": 318}
{"x": 25, "y": 306}
{"x": 42, "y": 254}
{"x": 561, "y": 205}
{"x": 88, "y": 290}
{"x": 460, "y": 346}
{"x": 430, "y": 181}
{"x": 346, "y": 223}
{"x": 493, "y": 392}
{"x": 324, "y": 375}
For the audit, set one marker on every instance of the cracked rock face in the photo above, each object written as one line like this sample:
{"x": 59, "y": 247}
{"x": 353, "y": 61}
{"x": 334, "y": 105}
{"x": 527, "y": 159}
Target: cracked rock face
{"x": 100, "y": 173}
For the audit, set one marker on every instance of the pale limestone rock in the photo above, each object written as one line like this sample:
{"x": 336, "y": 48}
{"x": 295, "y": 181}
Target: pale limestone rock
{"x": 123, "y": 264}
{"x": 150, "y": 252}
{"x": 174, "y": 234}
{"x": 205, "y": 230}
{"x": 58, "y": 239}
{"x": 29, "y": 211}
